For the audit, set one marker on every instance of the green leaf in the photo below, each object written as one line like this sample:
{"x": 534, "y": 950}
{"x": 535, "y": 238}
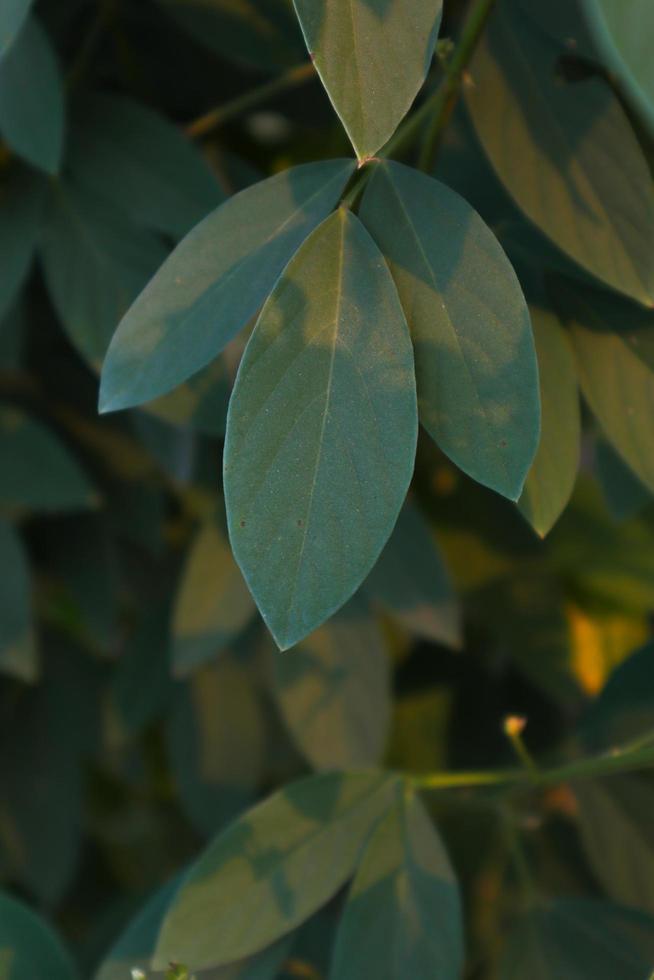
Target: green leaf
{"x": 411, "y": 582}
{"x": 372, "y": 57}
{"x": 622, "y": 32}
{"x": 624, "y": 493}
{"x": 579, "y": 939}
{"x": 553, "y": 473}
{"x": 200, "y": 403}
{"x": 334, "y": 691}
{"x": 134, "y": 948}
{"x": 259, "y": 34}
{"x": 321, "y": 431}
{"x": 137, "y": 161}
{"x": 21, "y": 201}
{"x": 614, "y": 343}
{"x": 36, "y": 471}
{"x": 475, "y": 359}
{"x": 566, "y": 21}
{"x": 565, "y": 152}
{"x": 95, "y": 263}
{"x": 216, "y": 744}
{"x": 17, "y": 643}
{"x": 273, "y": 868}
{"x": 215, "y": 281}
{"x": 213, "y": 604}
{"x": 617, "y": 833}
{"x": 32, "y": 99}
{"x": 403, "y": 913}
{"x": 29, "y": 949}
{"x": 12, "y": 17}
{"x": 624, "y": 710}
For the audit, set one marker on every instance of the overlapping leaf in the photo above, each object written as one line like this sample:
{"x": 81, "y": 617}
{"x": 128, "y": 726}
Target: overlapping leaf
{"x": 321, "y": 431}
{"x": 372, "y": 57}
{"x": 28, "y": 946}
{"x": 215, "y": 281}
{"x": 475, "y": 360}
{"x": 12, "y": 18}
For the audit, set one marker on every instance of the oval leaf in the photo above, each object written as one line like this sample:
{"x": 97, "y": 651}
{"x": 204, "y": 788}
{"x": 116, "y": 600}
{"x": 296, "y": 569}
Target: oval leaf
{"x": 334, "y": 691}
{"x": 321, "y": 431}
{"x": 372, "y": 57}
{"x": 552, "y": 476}
{"x": 403, "y": 913}
{"x": 29, "y": 949}
{"x": 215, "y": 281}
{"x": 12, "y": 18}
{"x": 475, "y": 360}
{"x": 566, "y": 153}
{"x": 32, "y": 99}
{"x": 272, "y": 869}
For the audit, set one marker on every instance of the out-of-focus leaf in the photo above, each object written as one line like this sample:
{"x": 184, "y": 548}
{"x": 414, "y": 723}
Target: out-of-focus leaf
{"x": 621, "y": 31}
{"x": 200, "y": 403}
{"x": 215, "y": 281}
{"x": 273, "y": 868}
{"x": 403, "y": 913}
{"x": 334, "y": 691}
{"x": 95, "y": 263}
{"x": 579, "y": 939}
{"x": 599, "y": 641}
{"x": 36, "y": 471}
{"x": 552, "y": 476}
{"x": 140, "y": 163}
{"x": 614, "y": 344}
{"x": 17, "y": 642}
{"x": 21, "y": 204}
{"x": 565, "y": 152}
{"x": 615, "y": 820}
{"x": 624, "y": 710}
{"x": 475, "y": 359}
{"x": 418, "y": 741}
{"x": 213, "y": 603}
{"x": 411, "y": 582}
{"x": 321, "y": 432}
{"x": 134, "y": 948}
{"x": 566, "y": 21}
{"x": 32, "y": 98}
{"x": 216, "y": 743}
{"x": 29, "y": 949}
{"x": 12, "y": 18}
{"x": 624, "y": 493}
{"x": 259, "y": 34}
{"x": 372, "y": 57}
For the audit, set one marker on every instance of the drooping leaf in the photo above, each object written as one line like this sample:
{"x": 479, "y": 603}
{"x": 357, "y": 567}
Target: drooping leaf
{"x": 621, "y": 31}
{"x": 36, "y": 471}
{"x": 17, "y": 642}
{"x": 12, "y": 18}
{"x": 259, "y": 34}
{"x": 140, "y": 163}
{"x": 321, "y": 431}
{"x": 213, "y": 603}
{"x": 579, "y": 939}
{"x": 403, "y": 913}
{"x": 21, "y": 201}
{"x": 552, "y": 476}
{"x": 614, "y": 344}
{"x": 625, "y": 494}
{"x": 372, "y": 57}
{"x": 615, "y": 821}
{"x": 215, "y": 740}
{"x": 215, "y": 281}
{"x": 29, "y": 949}
{"x": 475, "y": 360}
{"x": 334, "y": 691}
{"x": 134, "y": 948}
{"x": 31, "y": 98}
{"x": 411, "y": 582}
{"x": 95, "y": 263}
{"x": 273, "y": 868}
{"x": 565, "y": 152}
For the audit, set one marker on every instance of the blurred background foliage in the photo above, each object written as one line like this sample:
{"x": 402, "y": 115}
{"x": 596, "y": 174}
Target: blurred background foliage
{"x": 142, "y": 705}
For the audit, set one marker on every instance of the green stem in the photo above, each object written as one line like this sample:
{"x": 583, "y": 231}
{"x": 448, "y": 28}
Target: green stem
{"x": 445, "y": 99}
{"x": 223, "y": 113}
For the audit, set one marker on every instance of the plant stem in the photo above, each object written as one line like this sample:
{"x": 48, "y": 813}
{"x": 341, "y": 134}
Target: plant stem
{"x": 221, "y": 114}
{"x": 447, "y": 95}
